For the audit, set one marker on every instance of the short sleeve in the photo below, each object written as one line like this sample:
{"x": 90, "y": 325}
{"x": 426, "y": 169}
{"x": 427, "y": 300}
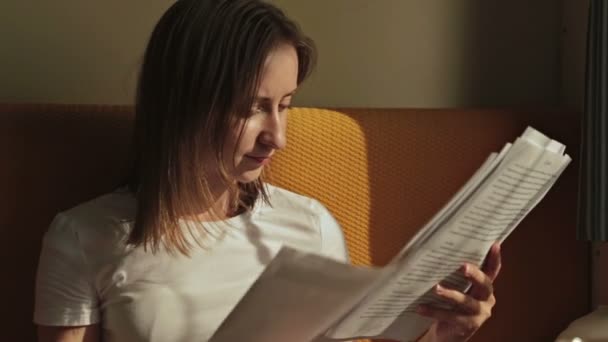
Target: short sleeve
{"x": 333, "y": 243}
{"x": 65, "y": 292}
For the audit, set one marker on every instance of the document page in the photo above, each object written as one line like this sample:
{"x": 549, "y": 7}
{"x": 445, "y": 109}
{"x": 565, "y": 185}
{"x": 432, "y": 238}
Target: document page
{"x": 297, "y": 298}
{"x": 490, "y": 214}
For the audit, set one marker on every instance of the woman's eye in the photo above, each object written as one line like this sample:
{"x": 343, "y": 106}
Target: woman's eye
{"x": 262, "y": 110}
{"x": 257, "y": 110}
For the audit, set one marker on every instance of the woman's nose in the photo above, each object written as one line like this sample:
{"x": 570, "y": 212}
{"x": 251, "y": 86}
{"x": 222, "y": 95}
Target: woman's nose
{"x": 274, "y": 133}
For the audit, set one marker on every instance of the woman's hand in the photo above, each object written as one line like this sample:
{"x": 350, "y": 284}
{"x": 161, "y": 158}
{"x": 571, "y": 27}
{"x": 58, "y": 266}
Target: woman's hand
{"x": 471, "y": 310}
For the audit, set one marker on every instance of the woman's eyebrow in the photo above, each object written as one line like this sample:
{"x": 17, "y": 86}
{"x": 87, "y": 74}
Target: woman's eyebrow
{"x": 265, "y": 98}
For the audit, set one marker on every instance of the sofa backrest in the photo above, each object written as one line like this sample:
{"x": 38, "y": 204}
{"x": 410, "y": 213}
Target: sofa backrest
{"x": 382, "y": 172}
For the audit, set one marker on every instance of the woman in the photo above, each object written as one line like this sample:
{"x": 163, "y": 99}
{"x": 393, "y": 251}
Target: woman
{"x": 166, "y": 257}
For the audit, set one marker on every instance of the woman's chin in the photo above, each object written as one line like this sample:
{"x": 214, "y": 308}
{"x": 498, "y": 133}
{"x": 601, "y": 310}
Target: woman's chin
{"x": 249, "y": 176}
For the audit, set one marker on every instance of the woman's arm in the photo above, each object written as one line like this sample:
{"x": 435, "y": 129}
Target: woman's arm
{"x": 88, "y": 333}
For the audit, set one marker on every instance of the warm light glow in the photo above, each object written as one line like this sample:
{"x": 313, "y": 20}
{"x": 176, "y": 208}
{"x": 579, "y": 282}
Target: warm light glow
{"x": 577, "y": 339}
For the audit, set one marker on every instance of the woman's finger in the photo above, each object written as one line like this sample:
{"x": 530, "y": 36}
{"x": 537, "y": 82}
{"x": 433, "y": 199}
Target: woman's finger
{"x": 493, "y": 262}
{"x": 465, "y": 325}
{"x": 462, "y": 302}
{"x": 482, "y": 288}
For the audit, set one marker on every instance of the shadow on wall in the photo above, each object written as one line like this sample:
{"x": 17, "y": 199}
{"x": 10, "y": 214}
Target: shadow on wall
{"x": 431, "y": 54}
{"x": 511, "y": 53}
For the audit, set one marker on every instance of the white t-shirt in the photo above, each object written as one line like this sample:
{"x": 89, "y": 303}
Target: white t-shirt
{"x": 88, "y": 275}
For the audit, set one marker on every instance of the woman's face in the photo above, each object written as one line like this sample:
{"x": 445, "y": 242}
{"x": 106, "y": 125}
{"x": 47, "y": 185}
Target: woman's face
{"x": 264, "y": 132}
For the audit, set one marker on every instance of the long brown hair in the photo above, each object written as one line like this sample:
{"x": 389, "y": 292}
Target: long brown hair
{"x": 199, "y": 76}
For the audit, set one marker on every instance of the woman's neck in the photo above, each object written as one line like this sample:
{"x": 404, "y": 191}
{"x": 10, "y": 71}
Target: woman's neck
{"x": 222, "y": 207}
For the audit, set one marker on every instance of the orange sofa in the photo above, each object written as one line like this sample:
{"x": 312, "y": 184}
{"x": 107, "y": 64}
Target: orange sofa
{"x": 382, "y": 172}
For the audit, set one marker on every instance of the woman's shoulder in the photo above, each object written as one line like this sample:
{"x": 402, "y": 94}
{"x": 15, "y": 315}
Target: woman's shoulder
{"x": 289, "y": 205}
{"x": 281, "y": 198}
{"x": 105, "y": 217}
{"x": 118, "y": 205}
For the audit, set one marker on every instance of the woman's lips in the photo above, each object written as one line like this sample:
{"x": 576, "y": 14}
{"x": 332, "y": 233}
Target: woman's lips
{"x": 260, "y": 160}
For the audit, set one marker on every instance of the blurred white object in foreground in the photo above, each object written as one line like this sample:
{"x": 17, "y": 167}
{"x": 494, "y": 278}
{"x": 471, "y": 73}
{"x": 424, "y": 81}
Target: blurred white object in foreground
{"x": 592, "y": 327}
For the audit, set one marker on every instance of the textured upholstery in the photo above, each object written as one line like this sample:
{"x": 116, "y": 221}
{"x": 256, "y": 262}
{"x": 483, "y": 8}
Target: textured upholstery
{"x": 382, "y": 173}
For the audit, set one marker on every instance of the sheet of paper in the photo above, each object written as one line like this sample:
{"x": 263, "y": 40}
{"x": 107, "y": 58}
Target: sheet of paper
{"x": 489, "y": 215}
{"x": 297, "y": 298}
